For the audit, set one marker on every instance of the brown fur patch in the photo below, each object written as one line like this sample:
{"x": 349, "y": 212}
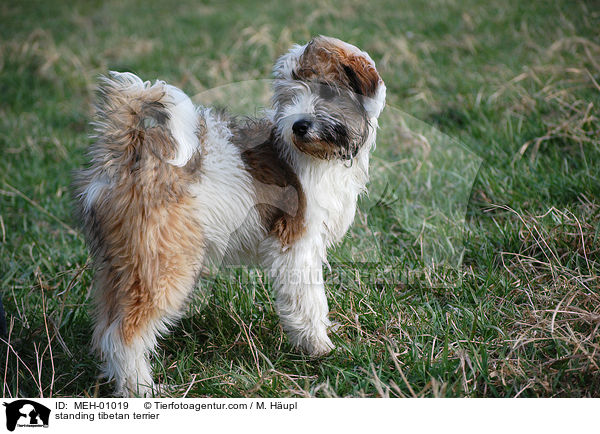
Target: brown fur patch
{"x": 328, "y": 61}
{"x": 317, "y": 148}
{"x": 279, "y": 194}
{"x": 151, "y": 241}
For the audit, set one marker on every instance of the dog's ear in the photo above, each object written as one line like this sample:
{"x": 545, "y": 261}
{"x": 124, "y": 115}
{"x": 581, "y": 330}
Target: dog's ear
{"x": 333, "y": 60}
{"x": 361, "y": 75}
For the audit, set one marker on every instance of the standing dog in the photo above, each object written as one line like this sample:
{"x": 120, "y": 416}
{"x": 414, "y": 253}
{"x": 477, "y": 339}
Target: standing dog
{"x": 171, "y": 186}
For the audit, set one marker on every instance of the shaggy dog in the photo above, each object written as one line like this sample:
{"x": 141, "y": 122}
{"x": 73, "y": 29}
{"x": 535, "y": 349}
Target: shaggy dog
{"x": 171, "y": 187}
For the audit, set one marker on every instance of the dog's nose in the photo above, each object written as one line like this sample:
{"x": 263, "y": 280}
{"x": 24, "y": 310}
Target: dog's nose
{"x": 300, "y": 128}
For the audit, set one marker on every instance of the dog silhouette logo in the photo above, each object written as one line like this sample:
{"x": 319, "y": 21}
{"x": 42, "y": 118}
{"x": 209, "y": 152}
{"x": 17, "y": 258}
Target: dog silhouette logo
{"x": 26, "y": 413}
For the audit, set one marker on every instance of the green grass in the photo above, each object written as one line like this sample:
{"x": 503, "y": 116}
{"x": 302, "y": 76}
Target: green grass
{"x": 515, "y": 82}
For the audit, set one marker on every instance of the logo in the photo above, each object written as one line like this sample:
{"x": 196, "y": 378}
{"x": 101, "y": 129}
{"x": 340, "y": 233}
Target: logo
{"x": 26, "y": 413}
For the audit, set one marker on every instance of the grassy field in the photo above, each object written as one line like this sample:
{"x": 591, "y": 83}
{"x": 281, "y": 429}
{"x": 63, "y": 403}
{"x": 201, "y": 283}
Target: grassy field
{"x": 516, "y": 82}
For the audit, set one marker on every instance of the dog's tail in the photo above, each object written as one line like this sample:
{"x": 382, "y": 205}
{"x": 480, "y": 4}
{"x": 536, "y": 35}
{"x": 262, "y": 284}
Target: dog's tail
{"x": 131, "y": 113}
{"x": 146, "y": 148}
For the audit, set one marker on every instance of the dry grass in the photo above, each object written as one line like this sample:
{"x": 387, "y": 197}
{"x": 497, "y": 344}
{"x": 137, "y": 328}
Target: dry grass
{"x": 559, "y": 313}
{"x": 556, "y": 86}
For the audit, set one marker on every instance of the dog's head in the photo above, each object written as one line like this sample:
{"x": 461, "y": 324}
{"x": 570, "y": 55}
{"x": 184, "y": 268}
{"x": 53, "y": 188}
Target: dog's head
{"x": 328, "y": 96}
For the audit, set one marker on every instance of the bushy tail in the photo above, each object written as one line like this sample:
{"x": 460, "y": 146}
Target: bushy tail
{"x": 144, "y": 136}
{"x": 141, "y": 129}
{"x": 127, "y": 107}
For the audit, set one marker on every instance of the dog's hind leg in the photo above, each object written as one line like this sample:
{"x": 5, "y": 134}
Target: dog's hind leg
{"x": 132, "y": 311}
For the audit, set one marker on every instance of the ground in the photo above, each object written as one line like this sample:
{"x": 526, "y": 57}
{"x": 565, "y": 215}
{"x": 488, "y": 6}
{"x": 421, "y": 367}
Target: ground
{"x": 515, "y": 82}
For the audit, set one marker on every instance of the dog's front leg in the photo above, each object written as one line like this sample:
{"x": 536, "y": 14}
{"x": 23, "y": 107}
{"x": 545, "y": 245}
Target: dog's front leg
{"x": 297, "y": 275}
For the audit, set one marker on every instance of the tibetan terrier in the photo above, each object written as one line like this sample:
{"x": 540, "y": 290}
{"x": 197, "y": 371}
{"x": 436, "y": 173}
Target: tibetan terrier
{"x": 171, "y": 187}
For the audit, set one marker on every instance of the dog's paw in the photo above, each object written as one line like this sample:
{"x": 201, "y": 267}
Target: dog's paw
{"x": 318, "y": 347}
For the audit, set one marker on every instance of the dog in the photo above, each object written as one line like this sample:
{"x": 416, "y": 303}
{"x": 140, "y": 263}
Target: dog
{"x": 171, "y": 187}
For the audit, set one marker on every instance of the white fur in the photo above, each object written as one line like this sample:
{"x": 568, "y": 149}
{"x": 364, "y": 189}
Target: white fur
{"x": 287, "y": 63}
{"x": 331, "y": 190}
{"x": 93, "y": 191}
{"x": 128, "y": 81}
{"x": 374, "y": 106}
{"x": 127, "y": 363}
{"x": 297, "y": 274}
{"x": 183, "y": 124}
{"x": 225, "y": 197}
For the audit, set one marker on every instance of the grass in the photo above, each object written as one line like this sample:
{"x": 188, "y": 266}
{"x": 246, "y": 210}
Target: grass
{"x": 516, "y": 82}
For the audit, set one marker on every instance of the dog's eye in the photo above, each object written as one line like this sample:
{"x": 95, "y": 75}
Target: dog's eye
{"x": 326, "y": 91}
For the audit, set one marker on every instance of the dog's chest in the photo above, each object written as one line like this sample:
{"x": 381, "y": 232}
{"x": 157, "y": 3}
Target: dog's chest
{"x": 331, "y": 200}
